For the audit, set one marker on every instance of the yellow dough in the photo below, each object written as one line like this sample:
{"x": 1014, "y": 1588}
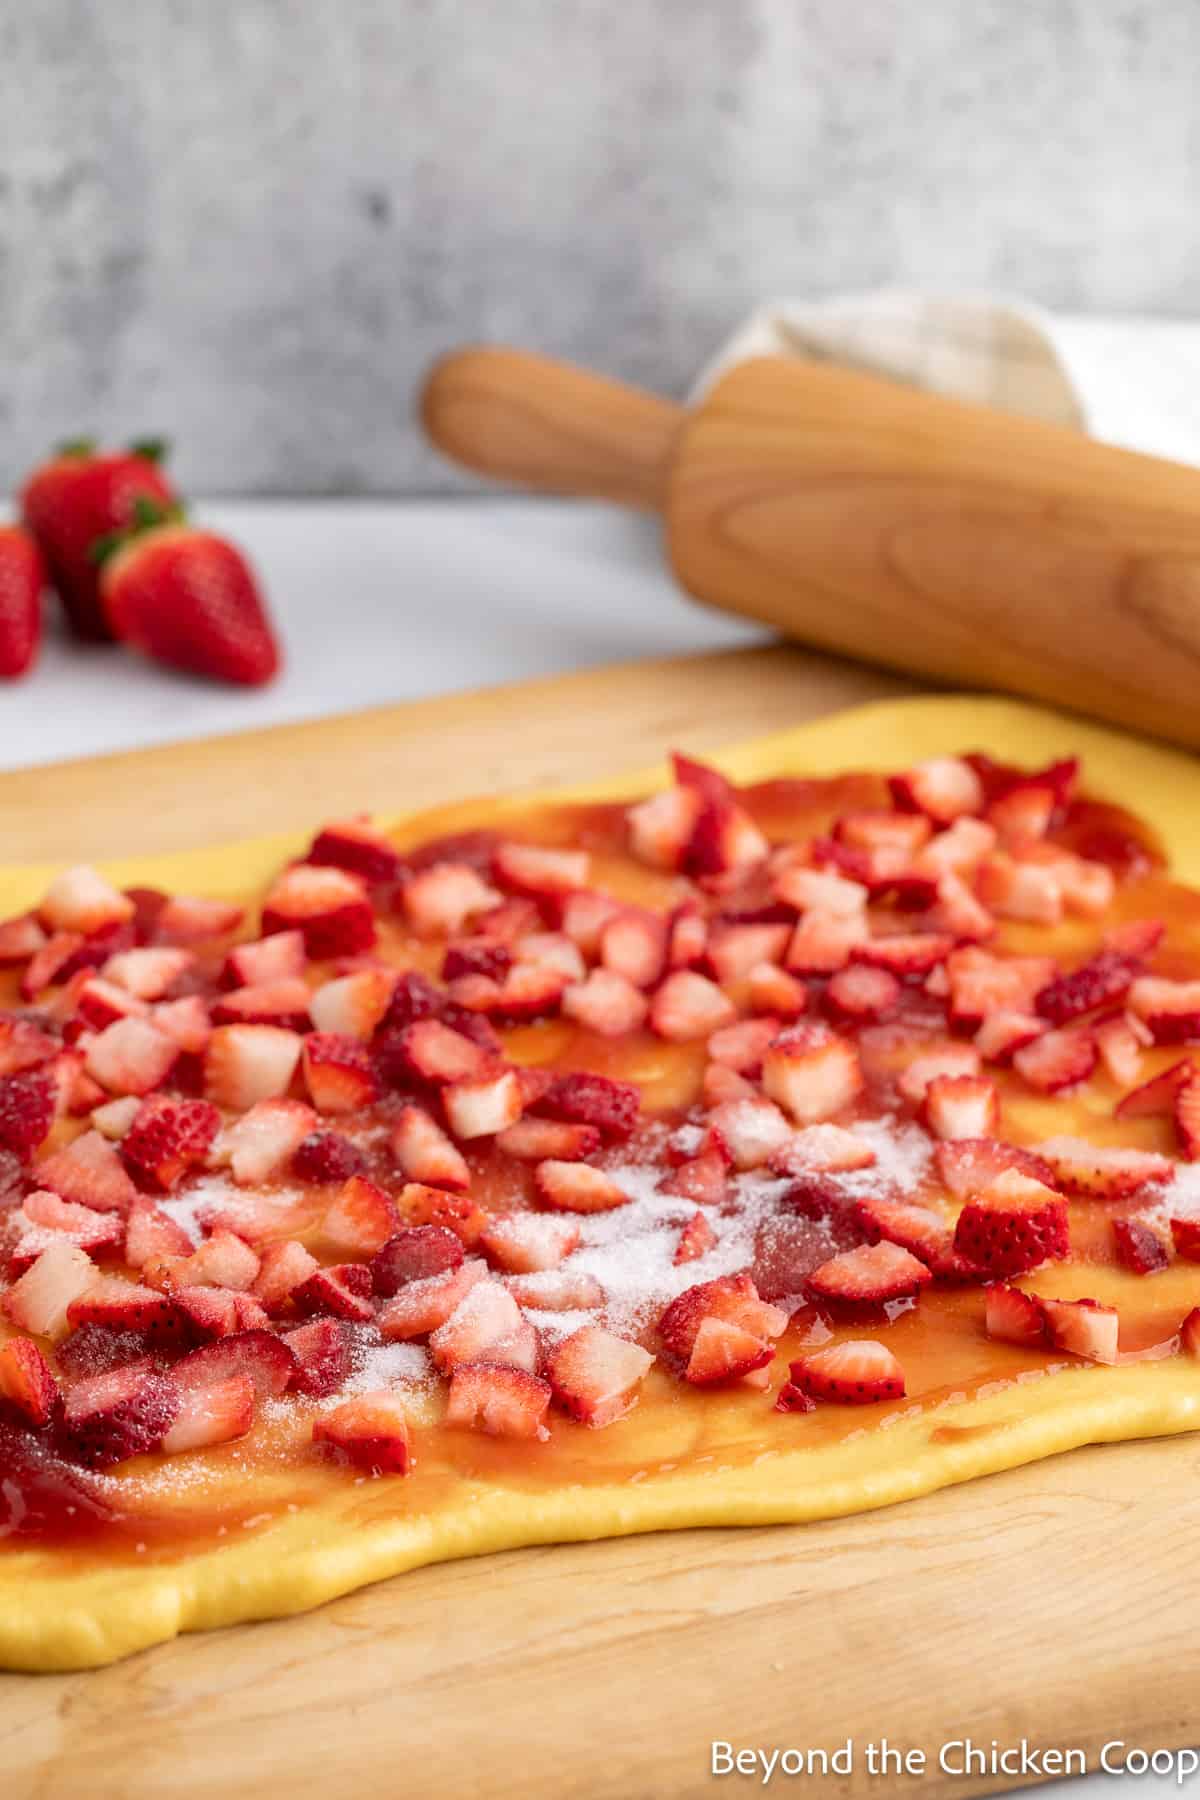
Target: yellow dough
{"x": 58, "y": 1611}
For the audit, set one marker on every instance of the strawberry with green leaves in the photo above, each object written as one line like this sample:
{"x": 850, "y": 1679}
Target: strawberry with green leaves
{"x": 22, "y": 578}
{"x": 79, "y": 496}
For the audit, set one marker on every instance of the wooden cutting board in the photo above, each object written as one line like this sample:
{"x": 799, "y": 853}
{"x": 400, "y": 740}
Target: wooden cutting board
{"x": 1054, "y": 1603}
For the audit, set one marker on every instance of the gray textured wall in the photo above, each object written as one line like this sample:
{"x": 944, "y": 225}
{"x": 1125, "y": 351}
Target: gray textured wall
{"x": 252, "y": 222}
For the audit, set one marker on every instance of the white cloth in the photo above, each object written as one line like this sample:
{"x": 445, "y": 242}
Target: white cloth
{"x": 1133, "y": 382}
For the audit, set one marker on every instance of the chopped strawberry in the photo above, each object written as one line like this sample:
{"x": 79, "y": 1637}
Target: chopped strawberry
{"x": 732, "y": 1298}
{"x": 1185, "y": 1234}
{"x": 660, "y": 828}
{"x": 89, "y": 1171}
{"x": 723, "y": 1352}
{"x": 605, "y": 1003}
{"x": 353, "y": 1005}
{"x": 150, "y": 1233}
{"x": 725, "y": 841}
{"x": 1101, "y": 1172}
{"x": 689, "y": 1006}
{"x": 696, "y": 1239}
{"x": 211, "y": 1415}
{"x": 185, "y": 1021}
{"x": 750, "y": 1131}
{"x": 1030, "y": 891}
{"x": 124, "y": 1306}
{"x": 1170, "y": 1009}
{"x": 283, "y": 1267}
{"x": 536, "y": 1140}
{"x": 334, "y": 1292}
{"x": 20, "y": 938}
{"x": 359, "y": 1220}
{"x": 943, "y": 788}
{"x": 265, "y": 1359}
{"x": 26, "y": 1381}
{"x": 958, "y": 850}
{"x": 1083, "y": 1327}
{"x": 28, "y": 1103}
{"x": 557, "y": 1290}
{"x": 338, "y": 1073}
{"x": 321, "y": 1349}
{"x": 39, "y": 1301}
{"x": 439, "y": 900}
{"x": 720, "y": 1084}
{"x": 813, "y": 890}
{"x": 773, "y": 990}
{"x": 577, "y": 1187}
{"x": 214, "y": 1312}
{"x": 734, "y": 950}
{"x": 421, "y": 1205}
{"x": 169, "y": 1137}
{"x": 131, "y": 1056}
{"x": 81, "y": 900}
{"x": 1057, "y": 1060}
{"x": 971, "y": 1165}
{"x": 327, "y": 1156}
{"x": 1157, "y": 1096}
{"x": 504, "y": 1402}
{"x": 355, "y": 845}
{"x": 904, "y": 954}
{"x": 222, "y": 1260}
{"x": 424, "y": 1304}
{"x": 822, "y": 942}
{"x": 23, "y": 1045}
{"x": 328, "y": 906}
{"x": 860, "y": 992}
{"x": 960, "y": 1106}
{"x": 416, "y": 1254}
{"x": 869, "y": 1277}
{"x": 823, "y": 1149}
{"x": 283, "y": 1003}
{"x": 424, "y": 1152}
{"x": 247, "y": 1063}
{"x": 99, "y": 1003}
{"x": 1002, "y": 1034}
{"x": 703, "y": 1178}
{"x": 485, "y": 1318}
{"x": 742, "y": 1046}
{"x": 483, "y": 1105}
{"x": 540, "y": 873}
{"x": 876, "y": 830}
{"x": 583, "y": 915}
{"x": 958, "y": 911}
{"x": 811, "y": 1072}
{"x": 585, "y": 1099}
{"x": 596, "y": 1375}
{"x": 369, "y": 1431}
{"x": 793, "y": 1399}
{"x": 147, "y": 973}
{"x": 920, "y": 1230}
{"x": 857, "y": 1373}
{"x": 110, "y": 1417}
{"x": 434, "y": 1052}
{"x": 522, "y": 1243}
{"x": 93, "y": 1231}
{"x": 1189, "y": 1333}
{"x": 1105, "y": 978}
{"x": 185, "y": 919}
{"x": 1187, "y": 1118}
{"x": 259, "y": 1144}
{"x": 112, "y": 1121}
{"x": 1139, "y": 1247}
{"x": 1014, "y": 1317}
{"x": 265, "y": 961}
{"x": 1120, "y": 1040}
{"x": 982, "y": 984}
{"x": 1014, "y": 1226}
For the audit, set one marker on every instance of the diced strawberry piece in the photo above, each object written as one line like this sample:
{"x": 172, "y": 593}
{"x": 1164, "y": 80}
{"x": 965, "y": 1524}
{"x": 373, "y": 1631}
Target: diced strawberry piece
{"x": 577, "y": 1187}
{"x": 879, "y": 830}
{"x": 187, "y": 919}
{"x": 596, "y": 1375}
{"x": 942, "y": 787}
{"x": 522, "y": 1243}
{"x": 541, "y": 873}
{"x": 605, "y": 1003}
{"x": 539, "y": 1140}
{"x": 23, "y": 1045}
{"x": 970, "y": 1166}
{"x": 959, "y": 913}
{"x": 338, "y": 1073}
{"x": 101, "y": 1239}
{"x": 920, "y": 1230}
{"x": 1186, "y": 1114}
{"x": 982, "y": 984}
{"x": 26, "y": 1381}
{"x": 823, "y": 1150}
{"x": 961, "y": 1106}
{"x": 434, "y": 1052}
{"x": 811, "y": 1072}
{"x": 822, "y": 942}
{"x": 426, "y": 1154}
{"x": 328, "y": 906}
{"x": 1185, "y": 1234}
{"x": 733, "y": 950}
{"x": 584, "y": 914}
{"x": 1120, "y": 1040}
{"x": 185, "y": 1021}
{"x": 504, "y": 1402}
{"x": 696, "y": 1239}
{"x": 1189, "y": 1333}
{"x": 421, "y": 1205}
{"x": 751, "y": 1131}
{"x": 1106, "y": 977}
{"x": 484, "y": 1105}
{"x": 869, "y": 1277}
{"x": 1014, "y": 1226}
{"x": 1087, "y": 887}
{"x": 1002, "y": 1034}
{"x": 857, "y": 1373}
{"x": 742, "y": 1046}
{"x": 28, "y": 1103}
{"x": 39, "y": 1301}
{"x": 124, "y": 1306}
{"x": 1083, "y": 1327}
{"x": 1171, "y": 1009}
{"x": 323, "y": 1361}
{"x": 359, "y": 1220}
{"x": 477, "y": 956}
{"x": 265, "y": 1359}
{"x": 147, "y": 973}
{"x": 222, "y": 1260}
{"x": 265, "y": 961}
{"x": 92, "y": 1231}
{"x": 257, "y": 1217}
{"x": 1014, "y": 1317}
{"x": 283, "y": 1003}
{"x": 815, "y": 890}
{"x": 131, "y": 1056}
{"x": 416, "y": 1254}
{"x": 904, "y": 954}
{"x": 99, "y": 1003}
{"x": 689, "y": 1006}
{"x": 687, "y": 937}
{"x": 860, "y": 992}
{"x": 1024, "y": 812}
{"x": 210, "y": 1312}
{"x": 724, "y": 1352}
{"x": 703, "y": 1178}
{"x": 51, "y": 963}
{"x": 732, "y": 1298}
{"x": 956, "y": 851}
{"x": 529, "y": 991}
{"x": 1097, "y": 1172}
{"x": 1057, "y": 1060}
{"x": 125, "y": 1412}
{"x": 772, "y": 990}
{"x": 369, "y": 1431}
{"x": 423, "y": 1305}
{"x": 1156, "y": 1097}
{"x": 355, "y": 845}
{"x": 485, "y": 1317}
{"x": 438, "y": 901}
{"x": 660, "y": 828}
{"x": 327, "y": 1156}
{"x": 283, "y": 1268}
{"x": 1022, "y": 890}
{"x": 720, "y": 1084}
{"x": 334, "y": 1291}
{"x": 169, "y": 1137}
{"x": 20, "y": 938}
{"x": 259, "y": 1144}
{"x": 579, "y": 1098}
{"x": 1139, "y": 1247}
{"x": 725, "y": 842}
{"x": 81, "y": 900}
{"x": 793, "y": 1399}
{"x": 90, "y": 1172}
{"x": 557, "y": 1290}
{"x": 211, "y": 1415}
{"x": 353, "y": 1005}
{"x": 149, "y": 1233}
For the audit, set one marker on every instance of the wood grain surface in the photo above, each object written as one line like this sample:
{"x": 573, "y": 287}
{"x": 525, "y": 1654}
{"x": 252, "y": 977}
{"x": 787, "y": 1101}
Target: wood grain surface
{"x": 1054, "y": 1603}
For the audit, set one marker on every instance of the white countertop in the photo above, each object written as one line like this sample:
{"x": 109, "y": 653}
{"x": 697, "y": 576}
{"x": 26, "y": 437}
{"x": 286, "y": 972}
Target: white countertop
{"x": 379, "y": 602}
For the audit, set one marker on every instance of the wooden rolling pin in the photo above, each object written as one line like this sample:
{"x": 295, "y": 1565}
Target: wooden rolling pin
{"x": 953, "y": 541}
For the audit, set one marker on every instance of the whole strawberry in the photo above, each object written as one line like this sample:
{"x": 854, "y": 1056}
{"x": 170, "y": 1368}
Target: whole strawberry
{"x": 186, "y": 597}
{"x": 78, "y": 497}
{"x": 22, "y": 578}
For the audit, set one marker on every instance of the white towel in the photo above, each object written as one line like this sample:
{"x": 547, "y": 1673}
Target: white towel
{"x": 1134, "y": 382}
